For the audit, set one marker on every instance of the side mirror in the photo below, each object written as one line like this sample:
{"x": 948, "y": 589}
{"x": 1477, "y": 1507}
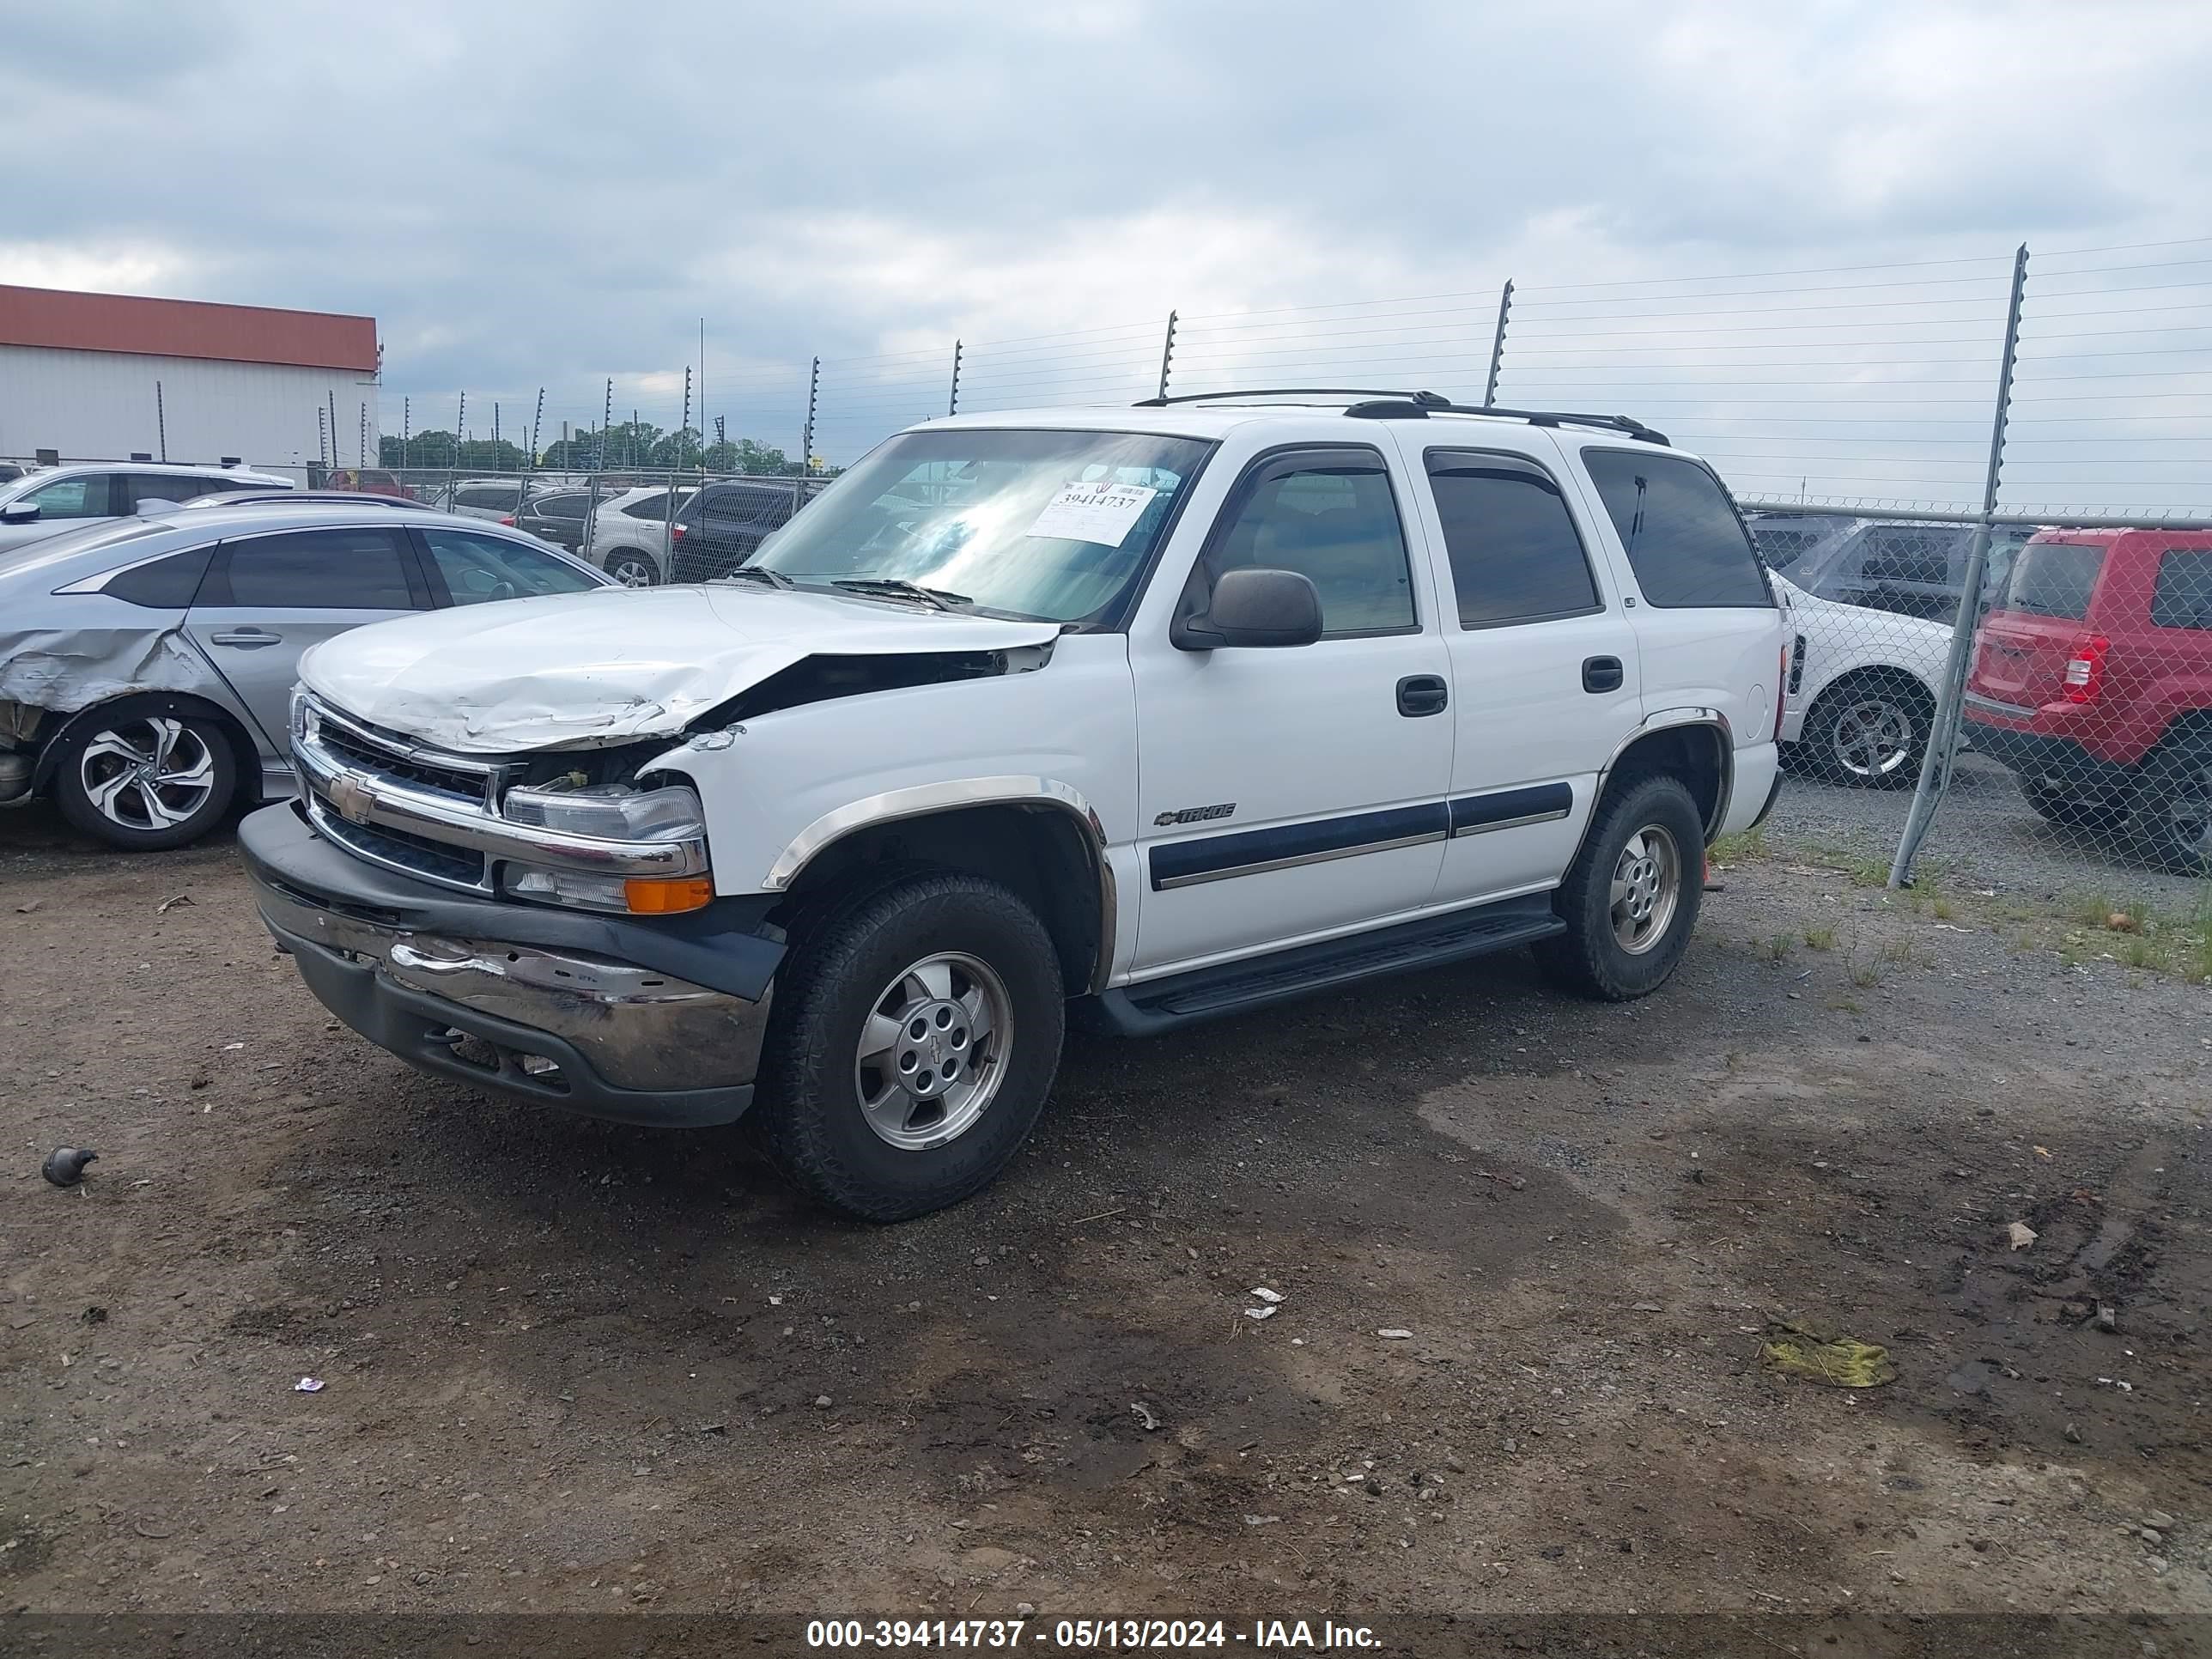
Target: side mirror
{"x": 1255, "y": 607}
{"x": 19, "y": 513}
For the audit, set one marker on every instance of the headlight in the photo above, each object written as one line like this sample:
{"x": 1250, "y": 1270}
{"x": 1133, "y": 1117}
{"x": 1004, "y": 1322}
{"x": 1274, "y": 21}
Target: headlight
{"x": 609, "y": 811}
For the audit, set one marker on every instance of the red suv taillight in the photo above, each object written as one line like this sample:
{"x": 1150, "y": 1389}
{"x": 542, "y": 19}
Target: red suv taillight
{"x": 2085, "y": 668}
{"x": 676, "y": 531}
{"x": 508, "y": 521}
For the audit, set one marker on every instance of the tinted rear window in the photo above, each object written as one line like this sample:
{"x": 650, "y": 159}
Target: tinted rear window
{"x": 2055, "y": 579}
{"x": 1515, "y": 554}
{"x": 2183, "y": 598}
{"x": 1685, "y": 542}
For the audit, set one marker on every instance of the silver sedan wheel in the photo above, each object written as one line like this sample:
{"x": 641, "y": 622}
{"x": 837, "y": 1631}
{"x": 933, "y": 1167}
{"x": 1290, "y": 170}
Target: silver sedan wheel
{"x": 933, "y": 1051}
{"x": 631, "y": 572}
{"x": 1873, "y": 738}
{"x": 149, "y": 773}
{"x": 1647, "y": 887}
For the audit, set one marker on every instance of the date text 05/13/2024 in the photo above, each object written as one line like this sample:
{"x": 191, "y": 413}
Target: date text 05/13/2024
{"x": 1089, "y": 1635}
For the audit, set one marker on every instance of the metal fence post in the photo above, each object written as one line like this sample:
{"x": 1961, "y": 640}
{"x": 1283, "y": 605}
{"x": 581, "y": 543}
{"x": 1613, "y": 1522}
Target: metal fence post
{"x": 161, "y": 420}
{"x": 807, "y": 435}
{"x": 952, "y": 405}
{"x": 333, "y": 395}
{"x": 1498, "y": 345}
{"x": 1167, "y": 353}
{"x": 1944, "y": 730}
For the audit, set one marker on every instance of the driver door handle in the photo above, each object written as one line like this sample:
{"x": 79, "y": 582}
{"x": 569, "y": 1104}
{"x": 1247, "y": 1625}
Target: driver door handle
{"x": 246, "y": 638}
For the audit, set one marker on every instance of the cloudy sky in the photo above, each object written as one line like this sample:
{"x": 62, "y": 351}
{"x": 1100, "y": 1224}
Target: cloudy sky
{"x": 550, "y": 194}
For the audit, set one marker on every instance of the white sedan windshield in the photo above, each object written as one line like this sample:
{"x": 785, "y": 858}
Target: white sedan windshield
{"x": 1053, "y": 525}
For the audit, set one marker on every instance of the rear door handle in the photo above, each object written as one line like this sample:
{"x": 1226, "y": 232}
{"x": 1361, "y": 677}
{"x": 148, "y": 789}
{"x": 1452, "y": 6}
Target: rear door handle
{"x": 1601, "y": 674}
{"x": 248, "y": 638}
{"x": 1422, "y": 693}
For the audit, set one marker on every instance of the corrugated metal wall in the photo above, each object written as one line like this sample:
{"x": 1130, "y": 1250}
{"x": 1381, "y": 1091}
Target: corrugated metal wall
{"x": 100, "y": 405}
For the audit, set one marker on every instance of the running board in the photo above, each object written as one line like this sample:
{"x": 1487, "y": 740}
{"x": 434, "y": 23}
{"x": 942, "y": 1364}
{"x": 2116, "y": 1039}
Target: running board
{"x": 1162, "y": 1005}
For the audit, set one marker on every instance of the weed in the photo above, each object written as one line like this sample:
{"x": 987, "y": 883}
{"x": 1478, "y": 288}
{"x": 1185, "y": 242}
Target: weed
{"x": 1819, "y": 938}
{"x": 1845, "y": 1005}
{"x": 1777, "y": 948}
{"x": 1740, "y": 847}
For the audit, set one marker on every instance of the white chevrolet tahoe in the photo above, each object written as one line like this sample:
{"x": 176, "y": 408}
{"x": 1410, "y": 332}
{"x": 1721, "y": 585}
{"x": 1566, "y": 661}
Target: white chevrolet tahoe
{"x": 1137, "y": 716}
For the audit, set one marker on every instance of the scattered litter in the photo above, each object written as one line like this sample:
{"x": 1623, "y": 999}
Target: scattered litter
{"x": 2042, "y": 1151}
{"x": 171, "y": 903}
{"x": 1145, "y": 1414}
{"x": 2108, "y": 1316}
{"x": 1512, "y": 1180}
{"x": 2022, "y": 1235}
{"x": 25, "y": 909}
{"x": 1842, "y": 1362}
{"x": 1395, "y": 1336}
{"x": 2115, "y": 1382}
{"x": 713, "y": 1428}
{"x": 1267, "y": 1312}
{"x": 1267, "y": 1295}
{"x": 1262, "y": 1520}
{"x": 232, "y": 1048}
{"x": 775, "y": 1302}
{"x": 64, "y": 1165}
{"x": 1649, "y": 1307}
{"x": 2120, "y": 921}
{"x": 308, "y": 1385}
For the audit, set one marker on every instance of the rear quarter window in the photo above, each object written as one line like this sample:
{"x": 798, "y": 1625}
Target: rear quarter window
{"x": 2055, "y": 579}
{"x": 164, "y": 584}
{"x": 2182, "y": 597}
{"x": 1683, "y": 538}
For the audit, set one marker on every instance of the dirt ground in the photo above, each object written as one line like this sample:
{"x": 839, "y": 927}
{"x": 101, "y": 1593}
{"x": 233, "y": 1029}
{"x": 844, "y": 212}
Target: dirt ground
{"x": 569, "y": 1367}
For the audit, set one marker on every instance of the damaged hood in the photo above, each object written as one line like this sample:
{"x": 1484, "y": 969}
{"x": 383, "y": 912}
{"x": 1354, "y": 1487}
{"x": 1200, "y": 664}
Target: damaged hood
{"x": 584, "y": 670}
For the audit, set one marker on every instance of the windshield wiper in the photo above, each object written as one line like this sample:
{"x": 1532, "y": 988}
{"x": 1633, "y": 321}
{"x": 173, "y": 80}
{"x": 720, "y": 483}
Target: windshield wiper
{"x": 757, "y": 573}
{"x": 897, "y": 587}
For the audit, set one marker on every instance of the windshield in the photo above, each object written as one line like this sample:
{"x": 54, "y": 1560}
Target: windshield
{"x": 1050, "y": 526}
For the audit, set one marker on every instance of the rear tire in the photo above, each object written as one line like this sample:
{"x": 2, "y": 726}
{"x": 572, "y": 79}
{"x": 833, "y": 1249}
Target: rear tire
{"x": 1631, "y": 901}
{"x": 2171, "y": 825}
{"x": 917, "y": 1029}
{"x": 2071, "y": 812}
{"x": 148, "y": 779}
{"x": 634, "y": 569}
{"x": 1869, "y": 732}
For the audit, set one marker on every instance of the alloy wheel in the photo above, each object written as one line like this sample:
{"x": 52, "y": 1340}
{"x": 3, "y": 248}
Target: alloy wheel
{"x": 932, "y": 1051}
{"x": 148, "y": 774}
{"x": 1647, "y": 886}
{"x": 1873, "y": 737}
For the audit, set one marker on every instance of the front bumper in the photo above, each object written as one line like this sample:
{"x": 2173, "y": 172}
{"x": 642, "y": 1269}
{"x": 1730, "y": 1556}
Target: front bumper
{"x": 634, "y": 1022}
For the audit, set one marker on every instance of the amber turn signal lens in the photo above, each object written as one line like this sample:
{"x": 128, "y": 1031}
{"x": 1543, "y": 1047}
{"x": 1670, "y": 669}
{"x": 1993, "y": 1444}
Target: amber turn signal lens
{"x": 660, "y": 897}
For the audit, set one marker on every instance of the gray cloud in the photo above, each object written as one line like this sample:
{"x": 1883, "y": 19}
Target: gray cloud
{"x": 552, "y": 193}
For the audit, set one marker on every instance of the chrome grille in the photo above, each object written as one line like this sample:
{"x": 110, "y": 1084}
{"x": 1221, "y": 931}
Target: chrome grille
{"x": 336, "y": 750}
{"x": 403, "y": 763}
{"x": 418, "y": 855}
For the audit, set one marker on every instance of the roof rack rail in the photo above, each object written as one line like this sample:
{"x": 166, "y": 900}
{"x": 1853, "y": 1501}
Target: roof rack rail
{"x": 304, "y": 497}
{"x": 1392, "y": 404}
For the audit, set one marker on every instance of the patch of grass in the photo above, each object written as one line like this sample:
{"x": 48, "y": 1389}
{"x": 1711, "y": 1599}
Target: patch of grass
{"x": 1819, "y": 938}
{"x": 1740, "y": 847}
{"x": 1941, "y": 907}
{"x": 2138, "y": 952}
{"x": 1777, "y": 948}
{"x": 1845, "y": 1005}
{"x": 1864, "y": 973}
{"x": 1899, "y": 951}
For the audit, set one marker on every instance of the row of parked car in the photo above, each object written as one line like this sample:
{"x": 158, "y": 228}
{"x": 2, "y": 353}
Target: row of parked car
{"x": 2116, "y": 623}
{"x": 2091, "y": 678}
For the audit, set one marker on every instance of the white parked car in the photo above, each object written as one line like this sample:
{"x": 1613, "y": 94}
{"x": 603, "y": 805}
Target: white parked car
{"x": 46, "y": 501}
{"x": 841, "y": 842}
{"x": 1862, "y": 689}
{"x": 629, "y": 536}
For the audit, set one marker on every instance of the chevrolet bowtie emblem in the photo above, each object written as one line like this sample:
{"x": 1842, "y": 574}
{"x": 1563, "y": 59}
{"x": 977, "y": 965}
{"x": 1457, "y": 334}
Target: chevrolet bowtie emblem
{"x": 353, "y": 799}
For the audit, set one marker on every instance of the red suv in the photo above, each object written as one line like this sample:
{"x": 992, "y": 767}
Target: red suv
{"x": 2093, "y": 682}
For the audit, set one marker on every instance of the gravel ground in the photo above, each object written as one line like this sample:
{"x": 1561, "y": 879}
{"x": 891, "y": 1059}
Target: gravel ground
{"x": 571, "y": 1367}
{"x": 1985, "y": 835}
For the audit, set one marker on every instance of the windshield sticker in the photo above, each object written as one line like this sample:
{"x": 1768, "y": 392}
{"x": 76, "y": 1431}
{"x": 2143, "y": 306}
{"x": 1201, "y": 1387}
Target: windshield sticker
{"x": 1101, "y": 513}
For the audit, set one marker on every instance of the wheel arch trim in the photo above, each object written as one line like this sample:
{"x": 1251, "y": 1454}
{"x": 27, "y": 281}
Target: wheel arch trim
{"x": 1671, "y": 720}
{"x": 245, "y": 750}
{"x": 928, "y": 799}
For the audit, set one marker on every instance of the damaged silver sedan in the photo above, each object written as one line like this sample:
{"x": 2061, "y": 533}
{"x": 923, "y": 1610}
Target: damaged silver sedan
{"x": 147, "y": 663}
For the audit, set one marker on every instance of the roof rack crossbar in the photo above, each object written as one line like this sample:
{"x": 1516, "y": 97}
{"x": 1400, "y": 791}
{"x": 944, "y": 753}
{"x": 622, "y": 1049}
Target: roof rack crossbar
{"x": 1393, "y": 404}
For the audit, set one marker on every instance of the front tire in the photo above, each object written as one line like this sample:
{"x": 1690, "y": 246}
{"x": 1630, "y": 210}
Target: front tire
{"x": 146, "y": 782}
{"x": 2099, "y": 815}
{"x": 1631, "y": 901}
{"x": 917, "y": 1030}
